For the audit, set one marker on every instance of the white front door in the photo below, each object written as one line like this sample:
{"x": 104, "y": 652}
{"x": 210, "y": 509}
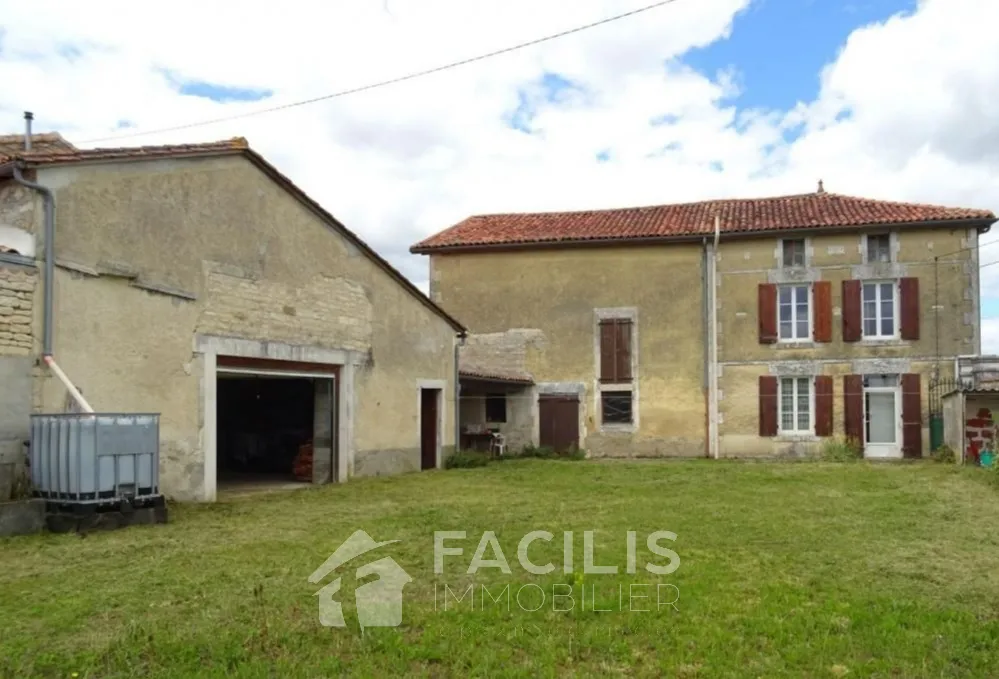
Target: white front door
{"x": 882, "y": 417}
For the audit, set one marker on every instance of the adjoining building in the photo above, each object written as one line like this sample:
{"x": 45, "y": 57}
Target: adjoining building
{"x": 198, "y": 282}
{"x": 756, "y": 327}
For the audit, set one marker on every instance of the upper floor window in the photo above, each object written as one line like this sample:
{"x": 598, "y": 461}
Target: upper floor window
{"x": 794, "y": 312}
{"x": 880, "y": 310}
{"x": 796, "y": 397}
{"x": 792, "y": 252}
{"x": 878, "y": 248}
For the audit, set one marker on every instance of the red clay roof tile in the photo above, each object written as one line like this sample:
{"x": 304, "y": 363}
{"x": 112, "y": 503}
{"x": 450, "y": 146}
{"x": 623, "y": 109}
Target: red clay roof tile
{"x": 813, "y": 210}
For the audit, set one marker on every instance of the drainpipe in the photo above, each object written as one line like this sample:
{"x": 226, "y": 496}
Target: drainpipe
{"x": 705, "y": 347}
{"x": 457, "y": 392}
{"x": 48, "y": 277}
{"x": 713, "y": 346}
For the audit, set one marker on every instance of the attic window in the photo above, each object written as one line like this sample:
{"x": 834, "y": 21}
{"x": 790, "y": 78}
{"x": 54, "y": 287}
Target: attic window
{"x": 793, "y": 252}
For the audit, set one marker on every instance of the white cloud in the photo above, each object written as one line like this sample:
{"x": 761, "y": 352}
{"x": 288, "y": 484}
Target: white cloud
{"x": 903, "y": 111}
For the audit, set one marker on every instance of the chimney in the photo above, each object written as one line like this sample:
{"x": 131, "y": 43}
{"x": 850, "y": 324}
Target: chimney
{"x": 822, "y": 189}
{"x": 28, "y": 117}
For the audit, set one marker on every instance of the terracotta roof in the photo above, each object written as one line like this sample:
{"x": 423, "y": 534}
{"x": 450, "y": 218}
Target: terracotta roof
{"x": 58, "y": 156}
{"x": 53, "y": 155}
{"x": 494, "y": 376}
{"x": 806, "y": 211}
{"x": 13, "y": 144}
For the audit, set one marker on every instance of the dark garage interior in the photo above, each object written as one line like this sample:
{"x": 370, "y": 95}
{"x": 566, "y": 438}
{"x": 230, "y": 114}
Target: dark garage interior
{"x": 264, "y": 428}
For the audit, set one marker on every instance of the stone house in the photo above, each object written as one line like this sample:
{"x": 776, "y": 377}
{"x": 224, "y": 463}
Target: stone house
{"x": 755, "y": 327}
{"x": 198, "y": 282}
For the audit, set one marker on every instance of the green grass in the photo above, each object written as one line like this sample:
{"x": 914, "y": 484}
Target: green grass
{"x": 797, "y": 570}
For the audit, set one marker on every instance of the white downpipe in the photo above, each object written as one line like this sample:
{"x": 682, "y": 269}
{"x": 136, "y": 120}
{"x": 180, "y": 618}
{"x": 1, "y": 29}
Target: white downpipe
{"x": 70, "y": 387}
{"x": 713, "y": 350}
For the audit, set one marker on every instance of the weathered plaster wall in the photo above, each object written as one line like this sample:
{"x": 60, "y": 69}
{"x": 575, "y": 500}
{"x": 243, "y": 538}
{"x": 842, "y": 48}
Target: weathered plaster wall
{"x": 155, "y": 253}
{"x": 744, "y": 264}
{"x": 557, "y": 293}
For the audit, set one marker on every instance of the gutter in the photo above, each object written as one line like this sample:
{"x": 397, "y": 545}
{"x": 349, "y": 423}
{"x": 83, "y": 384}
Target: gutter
{"x": 713, "y": 346}
{"x": 48, "y": 277}
{"x": 457, "y": 390}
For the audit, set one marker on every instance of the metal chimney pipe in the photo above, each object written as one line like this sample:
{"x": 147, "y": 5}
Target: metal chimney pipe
{"x": 28, "y": 117}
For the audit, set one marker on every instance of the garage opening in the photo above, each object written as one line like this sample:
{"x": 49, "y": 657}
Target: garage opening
{"x": 274, "y": 428}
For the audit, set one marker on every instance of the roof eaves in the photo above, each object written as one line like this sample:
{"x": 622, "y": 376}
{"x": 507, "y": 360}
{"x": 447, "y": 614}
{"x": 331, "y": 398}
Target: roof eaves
{"x": 983, "y": 223}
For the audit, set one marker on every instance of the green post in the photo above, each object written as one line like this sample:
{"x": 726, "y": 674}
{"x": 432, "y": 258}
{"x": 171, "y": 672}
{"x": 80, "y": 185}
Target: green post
{"x": 936, "y": 431}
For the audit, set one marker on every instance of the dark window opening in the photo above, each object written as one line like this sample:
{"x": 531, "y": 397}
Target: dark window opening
{"x": 616, "y": 407}
{"x": 495, "y": 407}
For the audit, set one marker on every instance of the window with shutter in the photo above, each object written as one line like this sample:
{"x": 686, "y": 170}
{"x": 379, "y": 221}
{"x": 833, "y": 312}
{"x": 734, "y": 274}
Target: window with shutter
{"x": 615, "y": 350}
{"x": 880, "y": 310}
{"x": 794, "y": 313}
{"x": 796, "y": 405}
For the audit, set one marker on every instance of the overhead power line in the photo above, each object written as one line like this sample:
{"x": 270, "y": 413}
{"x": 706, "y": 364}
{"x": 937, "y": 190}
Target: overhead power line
{"x": 391, "y": 81}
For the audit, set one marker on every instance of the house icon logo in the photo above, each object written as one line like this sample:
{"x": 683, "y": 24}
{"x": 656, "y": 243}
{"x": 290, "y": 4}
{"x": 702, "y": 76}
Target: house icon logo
{"x": 379, "y": 603}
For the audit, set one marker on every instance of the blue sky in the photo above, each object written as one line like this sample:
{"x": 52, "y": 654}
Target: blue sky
{"x": 776, "y": 52}
{"x": 781, "y": 46}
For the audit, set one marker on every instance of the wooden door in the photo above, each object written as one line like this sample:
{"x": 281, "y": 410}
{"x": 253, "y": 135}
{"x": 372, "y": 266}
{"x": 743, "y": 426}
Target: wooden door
{"x": 428, "y": 427}
{"x": 559, "y": 422}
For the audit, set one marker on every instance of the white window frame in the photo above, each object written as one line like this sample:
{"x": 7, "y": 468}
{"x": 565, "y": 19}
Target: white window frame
{"x": 781, "y": 431}
{"x": 867, "y": 249}
{"x": 896, "y": 321}
{"x": 794, "y": 313}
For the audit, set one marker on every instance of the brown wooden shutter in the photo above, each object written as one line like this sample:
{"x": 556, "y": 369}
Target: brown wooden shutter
{"x": 853, "y": 407}
{"x": 615, "y": 350}
{"x": 852, "y": 325}
{"x": 767, "y": 312}
{"x": 822, "y": 298}
{"x": 608, "y": 363}
{"x": 622, "y": 350}
{"x": 823, "y": 405}
{"x": 908, "y": 289}
{"x": 912, "y": 417}
{"x": 768, "y": 405}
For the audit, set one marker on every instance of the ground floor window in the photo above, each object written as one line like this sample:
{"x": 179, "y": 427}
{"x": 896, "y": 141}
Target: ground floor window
{"x": 796, "y": 398}
{"x": 616, "y": 407}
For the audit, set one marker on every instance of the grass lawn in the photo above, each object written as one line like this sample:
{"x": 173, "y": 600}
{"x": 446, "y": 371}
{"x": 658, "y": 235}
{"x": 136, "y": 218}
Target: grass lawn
{"x": 798, "y": 570}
